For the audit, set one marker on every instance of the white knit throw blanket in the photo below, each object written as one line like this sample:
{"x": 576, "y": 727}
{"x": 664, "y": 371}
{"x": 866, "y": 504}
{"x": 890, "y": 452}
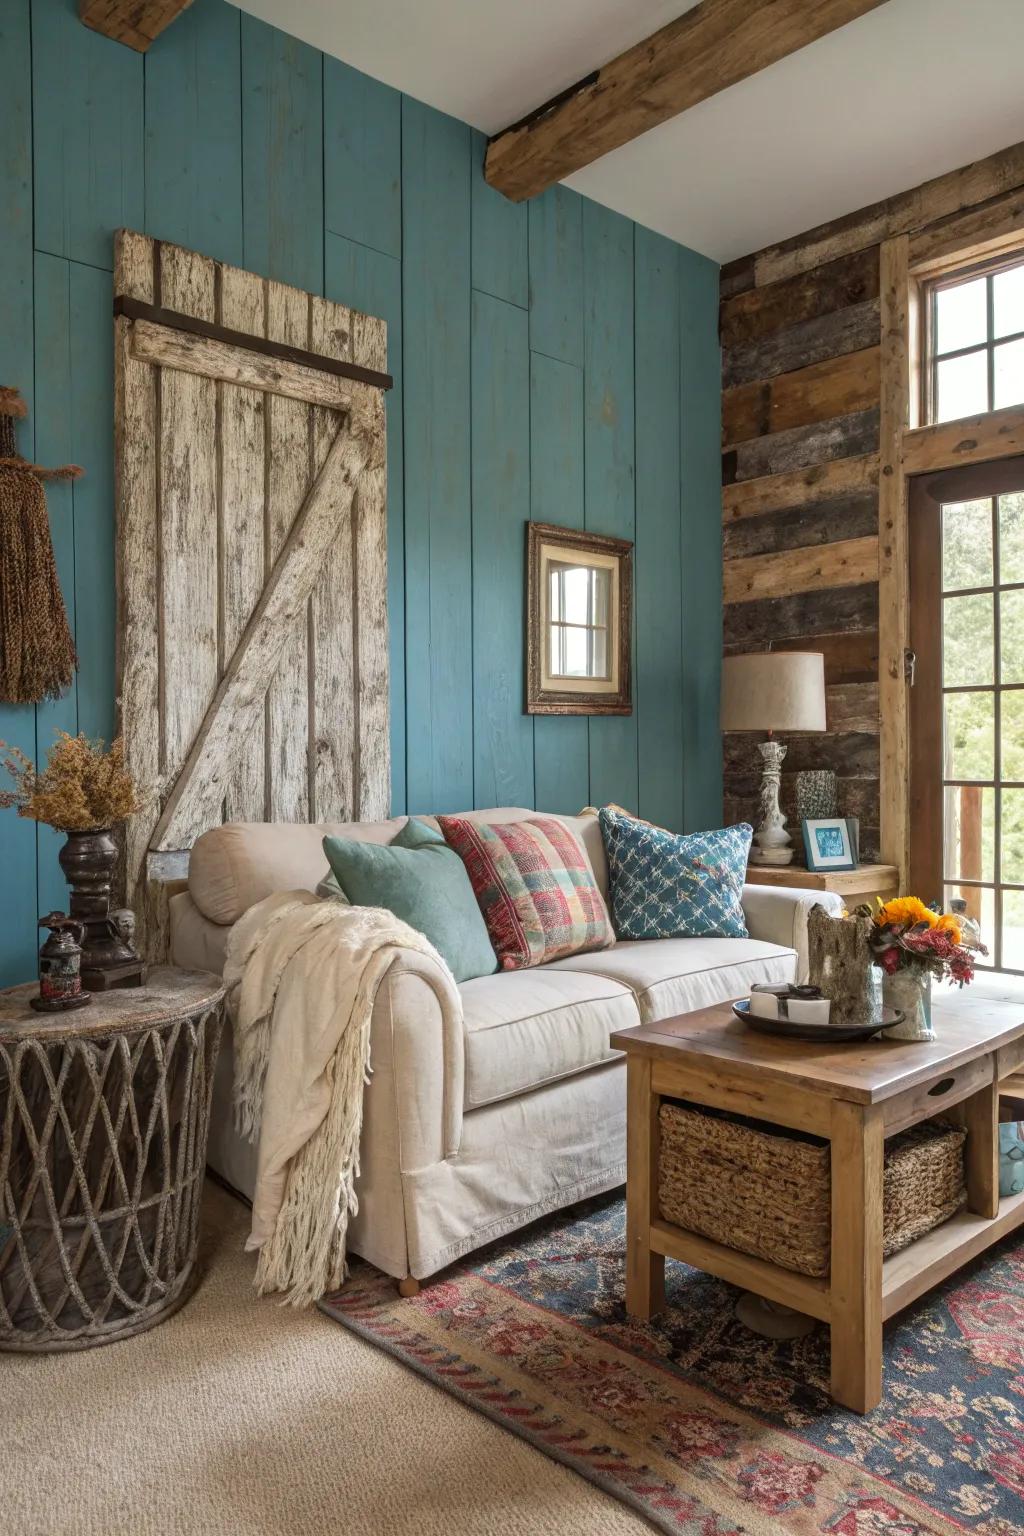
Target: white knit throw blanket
{"x": 301, "y": 977}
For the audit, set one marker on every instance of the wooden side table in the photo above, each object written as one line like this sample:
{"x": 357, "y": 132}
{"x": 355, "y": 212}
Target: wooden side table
{"x": 858, "y": 884}
{"x": 103, "y": 1121}
{"x": 854, "y": 1096}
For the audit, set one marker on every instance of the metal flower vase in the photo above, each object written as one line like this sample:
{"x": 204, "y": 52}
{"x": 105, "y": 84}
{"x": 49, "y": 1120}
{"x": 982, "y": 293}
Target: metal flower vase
{"x": 910, "y": 990}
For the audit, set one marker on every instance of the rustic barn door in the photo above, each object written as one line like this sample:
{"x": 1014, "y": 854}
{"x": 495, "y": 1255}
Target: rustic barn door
{"x": 251, "y": 553}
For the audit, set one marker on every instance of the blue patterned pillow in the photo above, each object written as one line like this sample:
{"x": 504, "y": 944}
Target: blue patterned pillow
{"x": 669, "y": 886}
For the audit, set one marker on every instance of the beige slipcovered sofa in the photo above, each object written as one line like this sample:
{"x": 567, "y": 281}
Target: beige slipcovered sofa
{"x": 501, "y": 1099}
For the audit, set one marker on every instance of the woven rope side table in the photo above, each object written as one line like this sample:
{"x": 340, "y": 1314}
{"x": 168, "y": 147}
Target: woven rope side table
{"x": 104, "y": 1114}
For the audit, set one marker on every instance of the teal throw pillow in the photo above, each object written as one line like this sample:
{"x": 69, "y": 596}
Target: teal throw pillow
{"x": 666, "y": 885}
{"x": 424, "y": 882}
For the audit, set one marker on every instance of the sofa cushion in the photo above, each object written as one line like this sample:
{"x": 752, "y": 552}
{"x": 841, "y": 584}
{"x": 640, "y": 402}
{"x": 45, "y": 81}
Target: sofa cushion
{"x": 667, "y": 885}
{"x": 525, "y": 1028}
{"x": 423, "y": 882}
{"x": 670, "y": 976}
{"x": 535, "y": 887}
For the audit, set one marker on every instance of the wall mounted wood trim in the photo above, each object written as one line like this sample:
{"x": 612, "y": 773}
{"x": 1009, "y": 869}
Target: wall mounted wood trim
{"x": 712, "y": 46}
{"x": 847, "y": 563}
{"x": 893, "y": 565}
{"x": 156, "y": 314}
{"x": 971, "y": 440}
{"x": 137, "y": 23}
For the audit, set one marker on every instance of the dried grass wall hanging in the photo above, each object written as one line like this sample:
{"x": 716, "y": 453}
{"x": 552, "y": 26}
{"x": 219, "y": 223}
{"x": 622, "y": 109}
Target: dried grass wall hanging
{"x": 37, "y": 653}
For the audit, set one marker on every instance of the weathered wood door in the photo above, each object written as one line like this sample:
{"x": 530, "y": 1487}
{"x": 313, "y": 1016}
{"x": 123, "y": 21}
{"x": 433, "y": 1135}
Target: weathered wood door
{"x": 251, "y": 556}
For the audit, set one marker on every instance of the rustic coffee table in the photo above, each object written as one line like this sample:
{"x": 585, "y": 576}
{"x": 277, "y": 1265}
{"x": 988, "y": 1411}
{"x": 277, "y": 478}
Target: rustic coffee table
{"x": 854, "y": 1095}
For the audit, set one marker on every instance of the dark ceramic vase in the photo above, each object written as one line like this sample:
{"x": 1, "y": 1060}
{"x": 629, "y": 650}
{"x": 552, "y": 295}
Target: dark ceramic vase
{"x": 88, "y": 860}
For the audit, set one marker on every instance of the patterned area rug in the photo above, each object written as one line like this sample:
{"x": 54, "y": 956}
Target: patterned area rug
{"x": 699, "y": 1424}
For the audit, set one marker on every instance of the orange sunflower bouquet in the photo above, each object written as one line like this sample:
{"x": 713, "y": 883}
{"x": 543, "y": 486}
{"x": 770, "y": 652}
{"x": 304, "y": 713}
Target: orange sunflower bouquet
{"x": 907, "y": 934}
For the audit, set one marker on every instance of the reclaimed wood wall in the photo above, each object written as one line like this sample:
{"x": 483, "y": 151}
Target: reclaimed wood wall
{"x": 804, "y": 535}
{"x": 553, "y": 360}
{"x": 800, "y": 511}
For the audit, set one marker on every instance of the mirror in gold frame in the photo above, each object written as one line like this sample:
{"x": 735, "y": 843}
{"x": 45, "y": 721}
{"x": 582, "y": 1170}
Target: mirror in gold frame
{"x": 579, "y": 593}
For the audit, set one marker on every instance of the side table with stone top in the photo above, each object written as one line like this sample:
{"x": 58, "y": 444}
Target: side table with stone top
{"x": 104, "y": 1113}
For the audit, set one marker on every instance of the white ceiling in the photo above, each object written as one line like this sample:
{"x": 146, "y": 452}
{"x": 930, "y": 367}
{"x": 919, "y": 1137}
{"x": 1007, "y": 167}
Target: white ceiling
{"x": 908, "y": 91}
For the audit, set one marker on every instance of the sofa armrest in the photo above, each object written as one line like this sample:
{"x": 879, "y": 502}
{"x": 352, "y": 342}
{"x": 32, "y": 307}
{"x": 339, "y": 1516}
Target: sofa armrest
{"x": 777, "y": 914}
{"x": 417, "y": 1057}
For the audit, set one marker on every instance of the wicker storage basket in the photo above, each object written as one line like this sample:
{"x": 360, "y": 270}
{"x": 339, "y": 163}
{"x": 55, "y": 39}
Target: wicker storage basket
{"x": 767, "y": 1191}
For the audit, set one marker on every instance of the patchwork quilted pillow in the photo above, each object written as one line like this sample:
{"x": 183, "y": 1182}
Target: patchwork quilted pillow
{"x": 535, "y": 888}
{"x": 669, "y": 886}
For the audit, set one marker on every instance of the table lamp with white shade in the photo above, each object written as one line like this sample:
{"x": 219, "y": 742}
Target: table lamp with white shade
{"x": 773, "y": 691}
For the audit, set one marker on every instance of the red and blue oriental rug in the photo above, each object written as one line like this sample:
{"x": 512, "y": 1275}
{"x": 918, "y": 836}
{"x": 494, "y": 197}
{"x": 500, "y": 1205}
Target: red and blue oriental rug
{"x": 700, "y": 1425}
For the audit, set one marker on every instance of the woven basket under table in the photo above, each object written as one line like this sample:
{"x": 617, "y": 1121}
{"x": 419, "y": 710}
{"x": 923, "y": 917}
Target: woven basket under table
{"x": 767, "y": 1191}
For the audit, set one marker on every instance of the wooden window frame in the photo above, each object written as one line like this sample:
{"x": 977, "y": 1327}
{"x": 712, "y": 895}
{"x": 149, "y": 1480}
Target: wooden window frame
{"x": 928, "y": 289}
{"x": 927, "y": 779}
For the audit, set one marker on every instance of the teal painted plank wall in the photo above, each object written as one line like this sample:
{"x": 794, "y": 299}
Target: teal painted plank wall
{"x": 551, "y": 360}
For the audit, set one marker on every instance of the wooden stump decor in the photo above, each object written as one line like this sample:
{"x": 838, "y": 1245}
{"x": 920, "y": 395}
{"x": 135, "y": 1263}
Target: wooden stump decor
{"x": 840, "y": 964}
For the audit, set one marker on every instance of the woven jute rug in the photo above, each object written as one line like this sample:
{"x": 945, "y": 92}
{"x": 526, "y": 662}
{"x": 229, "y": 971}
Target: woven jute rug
{"x": 702, "y": 1426}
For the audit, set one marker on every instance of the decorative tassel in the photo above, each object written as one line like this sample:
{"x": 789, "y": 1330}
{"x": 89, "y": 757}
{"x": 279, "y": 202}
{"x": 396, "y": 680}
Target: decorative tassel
{"x": 37, "y": 653}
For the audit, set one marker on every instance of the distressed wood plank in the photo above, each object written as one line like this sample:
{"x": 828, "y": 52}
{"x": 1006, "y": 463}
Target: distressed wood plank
{"x": 971, "y": 440}
{"x": 283, "y": 165}
{"x": 850, "y": 657}
{"x": 333, "y": 691}
{"x": 194, "y": 134}
{"x": 754, "y": 624}
{"x": 373, "y": 748}
{"x": 758, "y": 313}
{"x": 19, "y": 945}
{"x": 556, "y": 275}
{"x": 610, "y": 454}
{"x": 363, "y": 159}
{"x": 798, "y": 346}
{"x": 700, "y": 53}
{"x": 839, "y": 386}
{"x": 560, "y": 745}
{"x": 372, "y": 282}
{"x": 800, "y": 447}
{"x": 53, "y": 416}
{"x": 502, "y": 733}
{"x": 500, "y": 259}
{"x": 796, "y": 488}
{"x": 975, "y": 235}
{"x": 188, "y": 519}
{"x": 846, "y": 563}
{"x": 138, "y": 535}
{"x": 228, "y": 364}
{"x": 242, "y": 522}
{"x": 899, "y": 215}
{"x": 700, "y": 477}
{"x": 289, "y": 428}
{"x": 846, "y": 517}
{"x": 659, "y": 543}
{"x": 436, "y": 342}
{"x": 853, "y": 754}
{"x": 88, "y": 115}
{"x": 136, "y": 23}
{"x": 279, "y": 614}
{"x": 894, "y": 553}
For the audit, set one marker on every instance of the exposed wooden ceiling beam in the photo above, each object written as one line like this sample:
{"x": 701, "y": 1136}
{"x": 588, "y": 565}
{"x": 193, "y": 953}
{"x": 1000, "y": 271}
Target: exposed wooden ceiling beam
{"x": 134, "y": 22}
{"x": 699, "y": 54}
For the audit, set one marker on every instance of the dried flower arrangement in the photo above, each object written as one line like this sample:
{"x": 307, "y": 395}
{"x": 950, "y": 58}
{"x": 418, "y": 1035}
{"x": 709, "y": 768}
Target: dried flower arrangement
{"x": 909, "y": 934}
{"x": 82, "y": 788}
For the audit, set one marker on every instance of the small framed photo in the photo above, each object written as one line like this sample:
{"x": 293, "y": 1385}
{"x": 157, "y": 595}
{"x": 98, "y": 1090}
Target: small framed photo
{"x": 828, "y": 844}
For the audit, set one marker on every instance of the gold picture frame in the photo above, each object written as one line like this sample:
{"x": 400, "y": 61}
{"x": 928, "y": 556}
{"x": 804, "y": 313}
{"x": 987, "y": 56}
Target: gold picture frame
{"x": 579, "y": 622}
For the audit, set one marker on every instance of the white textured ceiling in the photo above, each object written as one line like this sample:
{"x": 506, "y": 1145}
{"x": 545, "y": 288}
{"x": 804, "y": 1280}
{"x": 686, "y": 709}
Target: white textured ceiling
{"x": 908, "y": 91}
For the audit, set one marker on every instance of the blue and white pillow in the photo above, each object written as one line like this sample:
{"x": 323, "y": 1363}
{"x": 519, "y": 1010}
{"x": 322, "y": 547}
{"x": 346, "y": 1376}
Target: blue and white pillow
{"x": 669, "y": 886}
